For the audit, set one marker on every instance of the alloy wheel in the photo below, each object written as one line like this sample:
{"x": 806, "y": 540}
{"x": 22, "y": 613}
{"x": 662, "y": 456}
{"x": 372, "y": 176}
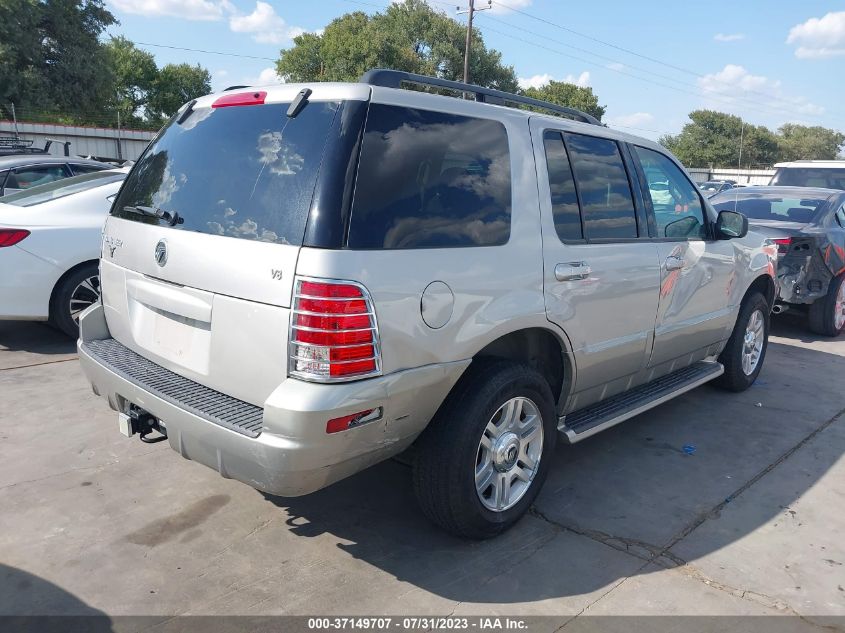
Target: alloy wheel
{"x": 508, "y": 456}
{"x": 752, "y": 348}
{"x": 86, "y": 293}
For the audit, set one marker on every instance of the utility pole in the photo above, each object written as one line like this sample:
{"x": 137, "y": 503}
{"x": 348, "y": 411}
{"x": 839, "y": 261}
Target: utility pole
{"x": 119, "y": 148}
{"x": 470, "y": 10}
{"x": 741, "y": 132}
{"x": 15, "y": 119}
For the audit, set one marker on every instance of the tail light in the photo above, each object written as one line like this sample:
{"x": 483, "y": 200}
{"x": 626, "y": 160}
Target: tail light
{"x": 783, "y": 244}
{"x": 333, "y": 331}
{"x": 10, "y": 237}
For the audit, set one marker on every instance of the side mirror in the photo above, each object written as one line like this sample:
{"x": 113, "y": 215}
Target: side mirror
{"x": 731, "y": 224}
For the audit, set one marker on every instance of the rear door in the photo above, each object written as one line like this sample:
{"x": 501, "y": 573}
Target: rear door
{"x": 204, "y": 290}
{"x": 697, "y": 271}
{"x": 601, "y": 273}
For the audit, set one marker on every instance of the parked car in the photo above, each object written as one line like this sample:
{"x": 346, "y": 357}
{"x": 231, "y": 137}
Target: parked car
{"x": 712, "y": 187}
{"x": 409, "y": 268}
{"x": 50, "y": 239}
{"x": 22, "y": 171}
{"x": 808, "y": 225}
{"x": 827, "y": 174}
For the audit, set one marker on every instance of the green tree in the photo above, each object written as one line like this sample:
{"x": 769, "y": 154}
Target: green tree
{"x": 713, "y": 139}
{"x": 570, "y": 95}
{"x": 175, "y": 85}
{"x": 51, "y": 56}
{"x": 21, "y": 53}
{"x": 76, "y": 66}
{"x": 801, "y": 142}
{"x": 408, "y": 36}
{"x": 134, "y": 73}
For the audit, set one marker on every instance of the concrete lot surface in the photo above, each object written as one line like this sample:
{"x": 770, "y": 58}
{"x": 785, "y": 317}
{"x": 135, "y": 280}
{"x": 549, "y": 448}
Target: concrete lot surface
{"x": 751, "y": 523}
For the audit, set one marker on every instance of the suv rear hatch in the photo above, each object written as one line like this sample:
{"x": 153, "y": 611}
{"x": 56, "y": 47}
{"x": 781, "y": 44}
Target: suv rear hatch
{"x": 200, "y": 248}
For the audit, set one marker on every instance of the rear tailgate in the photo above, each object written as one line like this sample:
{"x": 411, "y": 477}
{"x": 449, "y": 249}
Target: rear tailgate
{"x": 204, "y": 289}
{"x": 233, "y": 340}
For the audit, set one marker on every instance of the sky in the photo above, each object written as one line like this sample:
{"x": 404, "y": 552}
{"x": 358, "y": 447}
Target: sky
{"x": 650, "y": 62}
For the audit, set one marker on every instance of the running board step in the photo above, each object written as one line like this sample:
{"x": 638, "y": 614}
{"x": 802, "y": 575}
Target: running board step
{"x": 583, "y": 423}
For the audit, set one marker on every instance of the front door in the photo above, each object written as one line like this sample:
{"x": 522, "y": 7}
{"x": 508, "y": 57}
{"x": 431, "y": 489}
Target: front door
{"x": 696, "y": 271}
{"x": 601, "y": 280}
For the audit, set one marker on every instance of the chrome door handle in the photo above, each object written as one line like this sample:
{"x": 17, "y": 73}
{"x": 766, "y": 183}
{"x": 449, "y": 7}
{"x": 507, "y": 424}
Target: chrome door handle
{"x": 674, "y": 262}
{"x": 572, "y": 271}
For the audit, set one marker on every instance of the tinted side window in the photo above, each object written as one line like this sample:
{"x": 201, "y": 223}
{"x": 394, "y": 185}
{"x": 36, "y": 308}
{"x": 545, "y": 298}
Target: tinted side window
{"x": 606, "y": 201}
{"x": 676, "y": 203}
{"x": 565, "y": 210}
{"x": 431, "y": 180}
{"x": 26, "y": 177}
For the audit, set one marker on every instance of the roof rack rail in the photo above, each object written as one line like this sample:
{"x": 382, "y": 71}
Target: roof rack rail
{"x": 395, "y": 78}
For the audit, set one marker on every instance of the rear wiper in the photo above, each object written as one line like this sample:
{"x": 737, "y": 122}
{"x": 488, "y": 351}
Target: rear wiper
{"x": 171, "y": 218}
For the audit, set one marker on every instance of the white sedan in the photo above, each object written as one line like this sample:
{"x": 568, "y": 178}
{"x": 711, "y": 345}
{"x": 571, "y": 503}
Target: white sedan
{"x": 50, "y": 246}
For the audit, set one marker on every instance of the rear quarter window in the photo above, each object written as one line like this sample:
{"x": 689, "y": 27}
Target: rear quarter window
{"x": 431, "y": 180}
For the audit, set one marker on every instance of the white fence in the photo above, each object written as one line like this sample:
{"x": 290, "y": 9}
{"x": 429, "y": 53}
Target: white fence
{"x": 84, "y": 141}
{"x": 742, "y": 176}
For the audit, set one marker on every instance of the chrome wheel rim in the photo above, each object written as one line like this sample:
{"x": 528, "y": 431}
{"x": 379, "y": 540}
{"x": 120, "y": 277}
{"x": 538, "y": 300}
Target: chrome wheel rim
{"x": 86, "y": 293}
{"x": 839, "y": 308}
{"x": 508, "y": 455}
{"x": 752, "y": 348}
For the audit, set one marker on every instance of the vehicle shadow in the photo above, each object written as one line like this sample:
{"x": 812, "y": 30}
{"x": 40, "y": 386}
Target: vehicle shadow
{"x": 793, "y": 324}
{"x": 30, "y": 603}
{"x": 611, "y": 504}
{"x": 36, "y": 338}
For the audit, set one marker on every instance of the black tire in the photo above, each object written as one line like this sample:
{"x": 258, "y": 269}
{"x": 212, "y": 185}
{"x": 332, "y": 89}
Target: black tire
{"x": 823, "y": 311}
{"x": 735, "y": 378}
{"x": 60, "y": 304}
{"x": 445, "y": 459}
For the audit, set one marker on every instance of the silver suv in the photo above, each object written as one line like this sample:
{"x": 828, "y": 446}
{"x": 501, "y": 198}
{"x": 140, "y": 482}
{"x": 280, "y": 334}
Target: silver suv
{"x": 299, "y": 282}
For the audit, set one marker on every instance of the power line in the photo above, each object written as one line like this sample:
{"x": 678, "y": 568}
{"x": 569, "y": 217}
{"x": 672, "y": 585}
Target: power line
{"x": 644, "y": 79}
{"x": 199, "y": 50}
{"x": 636, "y": 54}
{"x": 630, "y": 66}
{"x": 718, "y": 97}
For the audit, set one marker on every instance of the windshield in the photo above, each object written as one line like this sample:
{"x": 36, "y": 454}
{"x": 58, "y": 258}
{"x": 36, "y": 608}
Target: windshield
{"x": 711, "y": 186}
{"x": 762, "y": 206}
{"x": 827, "y": 178}
{"x": 246, "y": 171}
{"x": 62, "y": 188}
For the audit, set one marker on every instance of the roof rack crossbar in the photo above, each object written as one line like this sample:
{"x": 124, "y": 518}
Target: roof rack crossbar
{"x": 395, "y": 78}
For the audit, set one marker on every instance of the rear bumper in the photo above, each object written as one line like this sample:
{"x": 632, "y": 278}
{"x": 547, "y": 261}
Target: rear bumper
{"x": 293, "y": 455}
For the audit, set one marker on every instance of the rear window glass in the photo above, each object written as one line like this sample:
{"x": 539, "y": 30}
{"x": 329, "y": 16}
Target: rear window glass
{"x": 61, "y": 188}
{"x": 431, "y": 180}
{"x": 606, "y": 200}
{"x": 810, "y": 177}
{"x": 247, "y": 172}
{"x": 85, "y": 169}
{"x": 769, "y": 206}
